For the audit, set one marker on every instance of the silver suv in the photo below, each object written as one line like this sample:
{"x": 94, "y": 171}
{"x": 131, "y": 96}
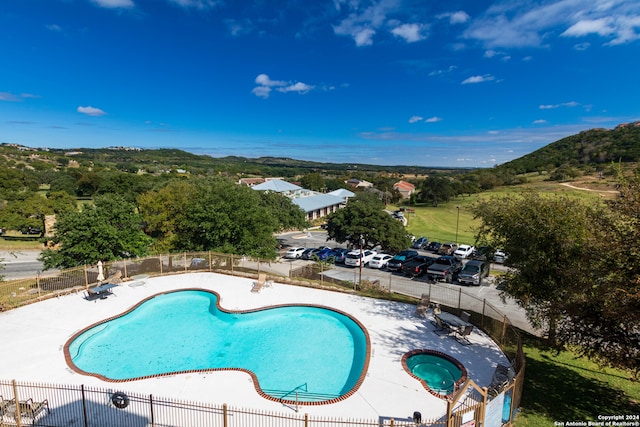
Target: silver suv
{"x": 473, "y": 272}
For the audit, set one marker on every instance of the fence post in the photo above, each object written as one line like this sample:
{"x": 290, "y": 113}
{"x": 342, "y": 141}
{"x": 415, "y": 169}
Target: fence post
{"x": 224, "y": 415}
{"x": 459, "y": 299}
{"x": 232, "y": 263}
{"x": 306, "y": 420}
{"x": 390, "y": 276}
{"x": 392, "y": 422}
{"x": 124, "y": 267}
{"x": 210, "y": 263}
{"x": 15, "y": 396}
{"x": 153, "y": 419}
{"x": 184, "y": 260}
{"x": 86, "y": 277}
{"x": 84, "y": 406}
{"x": 38, "y": 283}
{"x": 484, "y": 306}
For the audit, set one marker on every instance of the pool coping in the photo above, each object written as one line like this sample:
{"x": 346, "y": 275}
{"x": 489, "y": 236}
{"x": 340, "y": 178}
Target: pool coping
{"x": 254, "y": 378}
{"x": 456, "y": 385}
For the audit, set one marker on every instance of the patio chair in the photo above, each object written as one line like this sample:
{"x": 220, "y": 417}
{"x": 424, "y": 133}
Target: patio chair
{"x": 257, "y": 286}
{"x": 465, "y": 316}
{"x": 423, "y": 306}
{"x": 462, "y": 334}
{"x": 30, "y": 409}
{"x": 441, "y": 327}
{"x": 4, "y": 406}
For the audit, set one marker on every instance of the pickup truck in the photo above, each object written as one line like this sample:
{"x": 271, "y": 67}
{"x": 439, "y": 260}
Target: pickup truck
{"x": 444, "y": 268}
{"x": 395, "y": 263}
{"x": 417, "y": 266}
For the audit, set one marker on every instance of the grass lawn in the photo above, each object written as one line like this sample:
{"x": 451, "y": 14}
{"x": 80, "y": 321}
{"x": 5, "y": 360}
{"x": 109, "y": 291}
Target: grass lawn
{"x": 440, "y": 223}
{"x": 563, "y": 387}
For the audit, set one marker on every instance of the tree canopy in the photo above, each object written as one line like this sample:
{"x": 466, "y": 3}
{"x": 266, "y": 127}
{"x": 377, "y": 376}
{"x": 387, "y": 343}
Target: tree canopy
{"x": 218, "y": 215}
{"x": 365, "y": 216}
{"x": 109, "y": 229}
{"x": 574, "y": 269}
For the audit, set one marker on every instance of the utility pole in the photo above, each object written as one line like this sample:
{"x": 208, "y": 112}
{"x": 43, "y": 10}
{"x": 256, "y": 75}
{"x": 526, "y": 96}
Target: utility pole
{"x": 457, "y": 223}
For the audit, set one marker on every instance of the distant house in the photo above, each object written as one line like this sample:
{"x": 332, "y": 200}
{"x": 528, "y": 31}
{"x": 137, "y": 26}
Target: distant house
{"x": 250, "y": 182}
{"x": 406, "y": 189}
{"x": 315, "y": 205}
{"x": 358, "y": 183}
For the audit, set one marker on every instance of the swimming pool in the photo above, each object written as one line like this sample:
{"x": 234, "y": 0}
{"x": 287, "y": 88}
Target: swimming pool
{"x": 439, "y": 373}
{"x": 321, "y": 352}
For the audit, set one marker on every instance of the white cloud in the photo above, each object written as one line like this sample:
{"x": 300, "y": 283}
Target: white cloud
{"x": 478, "y": 79}
{"x": 362, "y": 22}
{"x": 264, "y": 80}
{"x": 114, "y": 4}
{"x": 433, "y": 119}
{"x": 443, "y": 71}
{"x": 540, "y": 122}
{"x": 197, "y": 4}
{"x": 364, "y": 37}
{"x": 529, "y": 24}
{"x": 91, "y": 111}
{"x": 459, "y": 17}
{"x": 582, "y": 46}
{"x": 6, "y": 96}
{"x": 10, "y": 97}
{"x": 265, "y": 85}
{"x": 53, "y": 27}
{"x": 569, "y": 104}
{"x": 415, "y": 119}
{"x": 299, "y": 87}
{"x": 410, "y": 32}
{"x": 601, "y": 27}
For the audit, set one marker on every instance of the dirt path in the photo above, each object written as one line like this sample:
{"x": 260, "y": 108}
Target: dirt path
{"x": 566, "y": 184}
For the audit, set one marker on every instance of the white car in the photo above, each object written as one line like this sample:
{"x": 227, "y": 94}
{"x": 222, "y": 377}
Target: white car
{"x": 463, "y": 251}
{"x": 352, "y": 259}
{"x": 380, "y": 260}
{"x": 294, "y": 253}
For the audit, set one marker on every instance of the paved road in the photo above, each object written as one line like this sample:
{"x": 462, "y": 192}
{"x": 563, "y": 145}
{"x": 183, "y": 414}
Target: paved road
{"x": 20, "y": 264}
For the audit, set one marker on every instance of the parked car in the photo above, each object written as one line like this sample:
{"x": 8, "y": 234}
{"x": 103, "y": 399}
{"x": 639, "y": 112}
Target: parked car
{"x": 356, "y": 257}
{"x": 445, "y": 268}
{"x": 417, "y": 266}
{"x": 31, "y": 230}
{"x": 337, "y": 255}
{"x": 473, "y": 272}
{"x": 380, "y": 261}
{"x": 420, "y": 243}
{"x": 483, "y": 253}
{"x": 463, "y": 251}
{"x": 395, "y": 263}
{"x": 308, "y": 253}
{"x": 433, "y": 246}
{"x": 499, "y": 256}
{"x": 447, "y": 248}
{"x": 321, "y": 255}
{"x": 294, "y": 253}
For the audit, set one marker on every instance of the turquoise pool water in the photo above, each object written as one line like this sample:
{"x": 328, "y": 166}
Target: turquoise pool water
{"x": 285, "y": 347}
{"x": 439, "y": 373}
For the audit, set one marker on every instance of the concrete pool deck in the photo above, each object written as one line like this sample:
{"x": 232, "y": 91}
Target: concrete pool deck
{"x": 36, "y": 334}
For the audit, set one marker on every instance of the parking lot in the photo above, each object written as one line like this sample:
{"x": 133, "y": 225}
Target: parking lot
{"x": 397, "y": 282}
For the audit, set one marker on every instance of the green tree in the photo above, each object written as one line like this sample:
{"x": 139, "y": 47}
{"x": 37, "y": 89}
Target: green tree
{"x": 547, "y": 240}
{"x": 217, "y": 215}
{"x": 109, "y": 229}
{"x": 313, "y": 181}
{"x": 364, "y": 216}
{"x": 436, "y": 189}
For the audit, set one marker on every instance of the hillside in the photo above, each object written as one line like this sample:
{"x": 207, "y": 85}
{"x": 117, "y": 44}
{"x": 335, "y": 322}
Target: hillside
{"x": 591, "y": 147}
{"x": 129, "y": 159}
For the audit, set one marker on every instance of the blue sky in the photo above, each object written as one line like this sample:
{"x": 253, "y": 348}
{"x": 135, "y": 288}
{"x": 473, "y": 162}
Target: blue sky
{"x": 469, "y": 83}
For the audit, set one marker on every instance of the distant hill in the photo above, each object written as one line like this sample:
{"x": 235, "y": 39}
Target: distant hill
{"x": 590, "y": 147}
{"x": 129, "y": 159}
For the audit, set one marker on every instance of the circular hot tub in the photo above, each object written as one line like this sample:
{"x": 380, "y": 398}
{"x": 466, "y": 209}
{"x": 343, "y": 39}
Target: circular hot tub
{"x": 439, "y": 373}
